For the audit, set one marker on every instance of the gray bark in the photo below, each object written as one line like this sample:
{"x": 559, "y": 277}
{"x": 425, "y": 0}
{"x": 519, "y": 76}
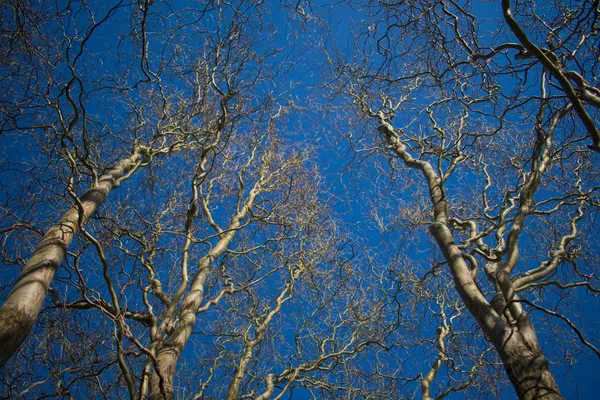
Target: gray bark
{"x": 525, "y": 363}
{"x": 515, "y": 341}
{"x": 167, "y": 357}
{"x": 168, "y": 353}
{"x": 517, "y": 345}
{"x": 21, "y": 308}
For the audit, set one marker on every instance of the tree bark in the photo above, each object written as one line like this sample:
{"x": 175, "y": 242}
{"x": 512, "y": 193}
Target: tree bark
{"x": 21, "y": 308}
{"x": 525, "y": 363}
{"x": 167, "y": 355}
{"x": 517, "y": 342}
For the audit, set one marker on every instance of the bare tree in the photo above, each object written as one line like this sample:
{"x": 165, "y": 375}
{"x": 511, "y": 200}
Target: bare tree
{"x": 393, "y": 229}
{"x": 195, "y": 101}
{"x": 20, "y": 309}
{"x": 487, "y": 129}
{"x": 70, "y": 132}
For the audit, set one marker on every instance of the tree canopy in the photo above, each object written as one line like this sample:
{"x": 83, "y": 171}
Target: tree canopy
{"x": 299, "y": 199}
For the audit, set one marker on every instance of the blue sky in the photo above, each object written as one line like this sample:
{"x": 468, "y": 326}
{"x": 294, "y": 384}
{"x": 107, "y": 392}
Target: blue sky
{"x": 371, "y": 196}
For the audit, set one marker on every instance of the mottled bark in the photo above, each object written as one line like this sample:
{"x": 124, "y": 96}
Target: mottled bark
{"x": 270, "y": 388}
{"x": 21, "y": 308}
{"x": 525, "y": 363}
{"x": 518, "y": 345}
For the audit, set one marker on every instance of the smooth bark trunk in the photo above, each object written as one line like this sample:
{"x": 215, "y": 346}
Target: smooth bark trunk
{"x": 167, "y": 356}
{"x": 168, "y": 353}
{"x": 21, "y": 308}
{"x": 515, "y": 341}
{"x": 525, "y": 363}
{"x": 517, "y": 345}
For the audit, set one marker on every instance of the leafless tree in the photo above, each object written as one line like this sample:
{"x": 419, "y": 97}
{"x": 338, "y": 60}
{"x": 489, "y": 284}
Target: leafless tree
{"x": 491, "y": 127}
{"x": 392, "y": 229}
{"x": 223, "y": 211}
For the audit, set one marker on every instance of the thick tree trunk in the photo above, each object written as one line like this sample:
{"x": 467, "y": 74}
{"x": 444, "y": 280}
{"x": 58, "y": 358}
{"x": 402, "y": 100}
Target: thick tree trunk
{"x": 164, "y": 373}
{"x": 530, "y": 376}
{"x": 517, "y": 345}
{"x": 525, "y": 363}
{"x": 168, "y": 353}
{"x": 167, "y": 356}
{"x": 21, "y": 308}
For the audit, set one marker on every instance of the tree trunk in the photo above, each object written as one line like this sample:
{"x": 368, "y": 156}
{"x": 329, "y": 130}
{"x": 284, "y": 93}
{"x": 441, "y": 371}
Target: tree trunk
{"x": 525, "y": 363}
{"x": 167, "y": 356}
{"x": 21, "y": 308}
{"x": 168, "y": 353}
{"x": 517, "y": 345}
{"x": 163, "y": 375}
{"x": 234, "y": 386}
